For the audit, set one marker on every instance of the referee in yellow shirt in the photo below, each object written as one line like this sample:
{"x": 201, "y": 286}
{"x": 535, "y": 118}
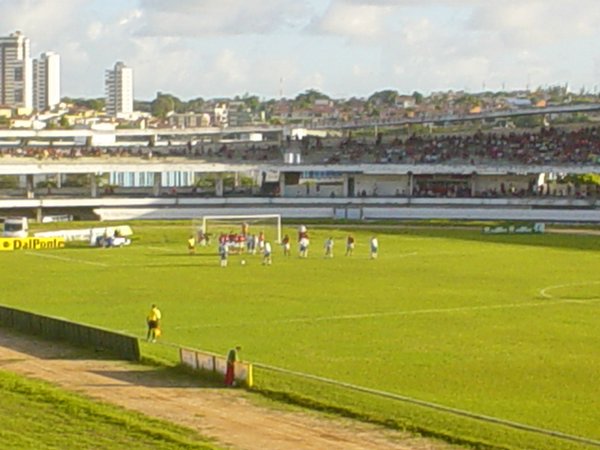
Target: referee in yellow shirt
{"x": 153, "y": 321}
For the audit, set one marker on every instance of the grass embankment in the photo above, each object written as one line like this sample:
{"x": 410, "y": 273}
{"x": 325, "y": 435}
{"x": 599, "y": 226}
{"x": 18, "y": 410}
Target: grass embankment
{"x": 36, "y": 415}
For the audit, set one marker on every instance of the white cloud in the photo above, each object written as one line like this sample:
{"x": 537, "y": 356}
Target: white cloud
{"x": 357, "y": 21}
{"x": 132, "y": 16}
{"x": 537, "y": 22}
{"x": 231, "y": 67}
{"x": 207, "y": 17}
{"x": 161, "y": 64}
{"x": 44, "y": 20}
{"x": 228, "y": 47}
{"x": 95, "y": 30}
{"x": 315, "y": 80}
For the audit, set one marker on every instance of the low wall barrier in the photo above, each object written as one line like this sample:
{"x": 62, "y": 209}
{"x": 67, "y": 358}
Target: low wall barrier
{"x": 120, "y": 345}
{"x": 212, "y": 363}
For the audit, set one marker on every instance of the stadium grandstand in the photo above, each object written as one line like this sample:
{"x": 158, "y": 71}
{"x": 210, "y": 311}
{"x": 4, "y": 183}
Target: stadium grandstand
{"x": 556, "y": 164}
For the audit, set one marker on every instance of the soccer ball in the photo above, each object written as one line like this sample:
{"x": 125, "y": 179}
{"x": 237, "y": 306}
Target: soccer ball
{"x": 243, "y": 262}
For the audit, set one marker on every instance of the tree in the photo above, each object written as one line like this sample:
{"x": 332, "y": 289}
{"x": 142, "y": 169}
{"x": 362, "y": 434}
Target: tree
{"x": 97, "y": 104}
{"x": 64, "y": 122}
{"x": 252, "y": 102}
{"x": 588, "y": 179}
{"x": 418, "y": 97}
{"x": 374, "y": 112}
{"x": 164, "y": 104}
{"x": 195, "y": 105}
{"x": 142, "y": 105}
{"x": 468, "y": 100}
{"x": 386, "y": 97}
{"x": 309, "y": 97}
{"x": 76, "y": 180}
{"x": 9, "y": 182}
{"x": 528, "y": 121}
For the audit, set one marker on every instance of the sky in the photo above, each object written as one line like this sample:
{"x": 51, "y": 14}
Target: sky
{"x": 344, "y": 48}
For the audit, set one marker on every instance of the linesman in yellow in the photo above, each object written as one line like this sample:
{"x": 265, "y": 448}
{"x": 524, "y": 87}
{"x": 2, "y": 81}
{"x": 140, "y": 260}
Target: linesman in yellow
{"x": 153, "y": 321}
{"x": 191, "y": 245}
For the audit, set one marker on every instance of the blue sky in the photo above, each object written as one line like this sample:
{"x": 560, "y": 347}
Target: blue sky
{"x": 208, "y": 48}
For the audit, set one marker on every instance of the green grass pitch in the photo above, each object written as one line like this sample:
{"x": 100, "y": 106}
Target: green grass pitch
{"x": 503, "y": 326}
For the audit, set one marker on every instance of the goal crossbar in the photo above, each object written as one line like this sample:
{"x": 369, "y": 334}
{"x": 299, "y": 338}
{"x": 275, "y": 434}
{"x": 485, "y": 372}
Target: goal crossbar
{"x": 242, "y": 217}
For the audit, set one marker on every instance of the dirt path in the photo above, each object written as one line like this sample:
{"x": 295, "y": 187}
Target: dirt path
{"x": 227, "y": 415}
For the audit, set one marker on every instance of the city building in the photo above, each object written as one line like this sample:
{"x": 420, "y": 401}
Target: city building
{"x": 119, "y": 91}
{"x": 46, "y": 81}
{"x": 188, "y": 120}
{"x": 15, "y": 71}
{"x": 239, "y": 114}
{"x": 221, "y": 115}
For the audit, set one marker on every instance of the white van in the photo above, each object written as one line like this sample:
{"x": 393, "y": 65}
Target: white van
{"x": 14, "y": 227}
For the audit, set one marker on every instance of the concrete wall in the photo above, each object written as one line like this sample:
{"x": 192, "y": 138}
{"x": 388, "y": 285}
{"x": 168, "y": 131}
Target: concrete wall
{"x": 368, "y": 212}
{"x": 381, "y": 185}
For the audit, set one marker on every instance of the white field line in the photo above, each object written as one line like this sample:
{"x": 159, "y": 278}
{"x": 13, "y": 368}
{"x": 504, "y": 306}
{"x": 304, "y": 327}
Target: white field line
{"x": 162, "y": 249}
{"x": 399, "y": 255}
{"x": 434, "y": 254}
{"x": 397, "y": 313}
{"x": 404, "y": 255}
{"x": 189, "y": 264}
{"x": 64, "y": 258}
{"x": 544, "y": 292}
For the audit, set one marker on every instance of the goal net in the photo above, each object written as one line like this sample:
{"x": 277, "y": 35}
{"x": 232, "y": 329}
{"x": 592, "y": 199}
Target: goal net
{"x": 236, "y": 230}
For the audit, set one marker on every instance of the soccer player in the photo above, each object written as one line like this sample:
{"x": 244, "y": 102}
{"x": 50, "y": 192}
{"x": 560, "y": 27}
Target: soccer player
{"x": 302, "y": 233}
{"x": 153, "y": 321}
{"x": 304, "y": 242}
{"x": 261, "y": 241}
{"x": 267, "y": 254}
{"x": 349, "y": 245}
{"x": 374, "y": 247}
{"x": 250, "y": 244}
{"x": 191, "y": 245}
{"x": 223, "y": 254}
{"x": 286, "y": 245}
{"x": 329, "y": 247}
{"x": 200, "y": 237}
{"x": 232, "y": 358}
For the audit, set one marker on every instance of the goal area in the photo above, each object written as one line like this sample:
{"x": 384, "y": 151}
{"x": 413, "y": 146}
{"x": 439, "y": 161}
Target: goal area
{"x": 208, "y": 229}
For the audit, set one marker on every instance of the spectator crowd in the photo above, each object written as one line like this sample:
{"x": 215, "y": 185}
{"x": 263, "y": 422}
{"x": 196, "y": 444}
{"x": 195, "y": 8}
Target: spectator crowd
{"x": 543, "y": 147}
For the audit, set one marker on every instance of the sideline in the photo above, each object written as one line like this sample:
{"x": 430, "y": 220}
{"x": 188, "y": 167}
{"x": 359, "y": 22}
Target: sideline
{"x": 161, "y": 249}
{"x": 438, "y": 407}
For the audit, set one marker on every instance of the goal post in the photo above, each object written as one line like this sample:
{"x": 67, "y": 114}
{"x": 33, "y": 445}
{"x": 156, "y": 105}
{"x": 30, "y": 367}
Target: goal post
{"x": 213, "y": 225}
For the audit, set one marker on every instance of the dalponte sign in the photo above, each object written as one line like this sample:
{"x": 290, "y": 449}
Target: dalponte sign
{"x": 31, "y": 243}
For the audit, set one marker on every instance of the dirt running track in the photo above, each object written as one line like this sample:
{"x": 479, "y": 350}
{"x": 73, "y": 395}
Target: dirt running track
{"x": 230, "y": 416}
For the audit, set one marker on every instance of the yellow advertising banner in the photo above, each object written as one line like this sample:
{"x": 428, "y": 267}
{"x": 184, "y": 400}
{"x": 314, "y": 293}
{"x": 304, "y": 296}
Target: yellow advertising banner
{"x": 31, "y": 243}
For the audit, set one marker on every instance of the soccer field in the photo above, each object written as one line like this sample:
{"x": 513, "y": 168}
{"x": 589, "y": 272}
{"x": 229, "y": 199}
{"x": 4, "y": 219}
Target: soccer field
{"x": 501, "y": 326}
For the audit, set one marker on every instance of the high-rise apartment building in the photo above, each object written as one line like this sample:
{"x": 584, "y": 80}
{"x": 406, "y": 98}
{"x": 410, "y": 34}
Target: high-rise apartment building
{"x": 15, "y": 71}
{"x": 119, "y": 90}
{"x": 46, "y": 81}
